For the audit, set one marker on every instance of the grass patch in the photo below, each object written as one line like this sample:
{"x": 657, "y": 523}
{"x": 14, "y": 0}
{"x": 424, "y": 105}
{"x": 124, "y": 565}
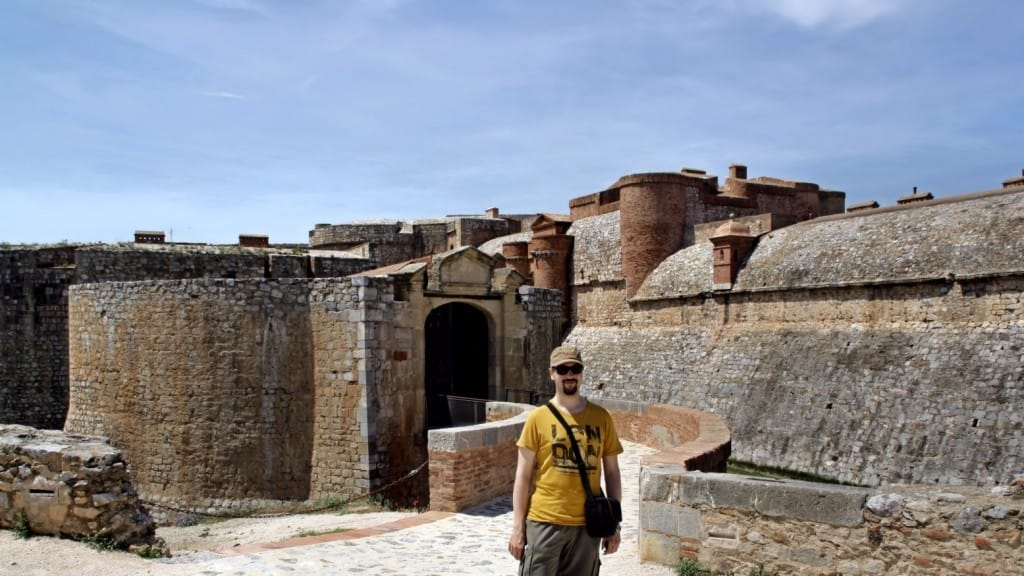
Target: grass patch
{"x": 333, "y": 503}
{"x": 690, "y": 567}
{"x": 748, "y": 469}
{"x": 149, "y": 552}
{"x": 306, "y": 533}
{"x": 21, "y": 527}
{"x": 99, "y": 542}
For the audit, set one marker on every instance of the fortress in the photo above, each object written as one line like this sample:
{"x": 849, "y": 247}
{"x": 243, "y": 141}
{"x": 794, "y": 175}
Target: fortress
{"x": 865, "y": 344}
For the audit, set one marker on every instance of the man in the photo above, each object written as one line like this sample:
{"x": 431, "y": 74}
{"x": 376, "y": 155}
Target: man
{"x": 549, "y": 535}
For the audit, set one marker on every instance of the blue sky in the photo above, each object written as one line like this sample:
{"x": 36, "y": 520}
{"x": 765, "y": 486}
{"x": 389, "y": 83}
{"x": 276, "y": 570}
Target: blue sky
{"x": 210, "y": 118}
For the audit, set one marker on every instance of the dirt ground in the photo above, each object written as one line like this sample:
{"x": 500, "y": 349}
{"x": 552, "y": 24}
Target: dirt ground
{"x": 47, "y": 556}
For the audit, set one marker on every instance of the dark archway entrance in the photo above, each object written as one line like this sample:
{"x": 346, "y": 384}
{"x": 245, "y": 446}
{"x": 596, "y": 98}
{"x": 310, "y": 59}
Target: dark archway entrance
{"x": 458, "y": 345}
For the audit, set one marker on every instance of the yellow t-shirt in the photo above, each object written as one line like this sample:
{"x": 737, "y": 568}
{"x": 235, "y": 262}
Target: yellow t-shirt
{"x": 558, "y": 494}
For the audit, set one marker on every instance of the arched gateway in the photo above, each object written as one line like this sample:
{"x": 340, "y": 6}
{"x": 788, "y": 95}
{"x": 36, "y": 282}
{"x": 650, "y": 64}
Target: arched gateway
{"x": 458, "y": 364}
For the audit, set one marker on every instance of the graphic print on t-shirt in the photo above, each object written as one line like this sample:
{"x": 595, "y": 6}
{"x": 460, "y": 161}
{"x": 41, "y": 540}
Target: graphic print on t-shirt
{"x": 589, "y": 439}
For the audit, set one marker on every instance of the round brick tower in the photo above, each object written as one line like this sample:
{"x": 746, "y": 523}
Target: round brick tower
{"x": 652, "y": 211}
{"x": 517, "y": 255}
{"x": 550, "y": 255}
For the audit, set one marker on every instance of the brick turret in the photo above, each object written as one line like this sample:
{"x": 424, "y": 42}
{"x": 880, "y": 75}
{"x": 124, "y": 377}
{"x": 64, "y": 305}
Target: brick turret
{"x": 732, "y": 242}
{"x": 517, "y": 256}
{"x": 550, "y": 256}
{"x": 653, "y": 216}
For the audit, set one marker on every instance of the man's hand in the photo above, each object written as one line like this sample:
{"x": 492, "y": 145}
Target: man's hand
{"x": 517, "y": 543}
{"x": 611, "y": 543}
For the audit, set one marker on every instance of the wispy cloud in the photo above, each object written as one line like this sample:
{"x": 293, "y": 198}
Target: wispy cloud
{"x": 236, "y": 5}
{"x": 221, "y": 94}
{"x": 841, "y": 14}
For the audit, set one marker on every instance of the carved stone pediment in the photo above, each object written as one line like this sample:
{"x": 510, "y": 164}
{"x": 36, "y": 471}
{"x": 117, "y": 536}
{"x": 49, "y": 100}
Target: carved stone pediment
{"x": 463, "y": 271}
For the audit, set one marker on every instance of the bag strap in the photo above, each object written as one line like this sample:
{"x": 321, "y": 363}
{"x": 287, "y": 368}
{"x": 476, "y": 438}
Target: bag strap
{"x": 576, "y": 450}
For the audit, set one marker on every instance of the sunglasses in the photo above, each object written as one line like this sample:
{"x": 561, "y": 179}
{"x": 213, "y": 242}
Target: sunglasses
{"x": 564, "y": 369}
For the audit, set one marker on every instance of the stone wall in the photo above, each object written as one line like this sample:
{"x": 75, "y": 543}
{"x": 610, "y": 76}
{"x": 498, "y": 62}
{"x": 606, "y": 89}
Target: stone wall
{"x": 807, "y": 383}
{"x": 33, "y": 334}
{"x": 370, "y": 404}
{"x": 128, "y": 262}
{"x": 388, "y": 241}
{"x": 736, "y": 523}
{"x": 70, "y": 485}
{"x": 532, "y": 343}
{"x": 33, "y": 310}
{"x": 206, "y": 385}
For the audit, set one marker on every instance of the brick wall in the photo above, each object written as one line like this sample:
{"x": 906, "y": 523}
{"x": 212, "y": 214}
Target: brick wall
{"x": 473, "y": 465}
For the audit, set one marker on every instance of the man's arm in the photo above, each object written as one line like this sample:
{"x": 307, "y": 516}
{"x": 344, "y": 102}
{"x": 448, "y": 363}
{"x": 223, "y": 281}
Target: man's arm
{"x": 521, "y": 501}
{"x": 612, "y": 476}
{"x": 613, "y": 486}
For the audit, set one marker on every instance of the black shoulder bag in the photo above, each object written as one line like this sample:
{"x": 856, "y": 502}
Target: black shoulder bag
{"x": 602, "y": 513}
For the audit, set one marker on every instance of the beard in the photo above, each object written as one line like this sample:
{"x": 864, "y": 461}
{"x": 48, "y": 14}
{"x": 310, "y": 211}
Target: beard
{"x": 570, "y": 387}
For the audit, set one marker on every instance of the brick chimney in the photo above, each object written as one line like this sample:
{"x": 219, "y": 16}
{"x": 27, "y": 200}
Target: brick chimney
{"x": 1013, "y": 182}
{"x": 915, "y": 197}
{"x": 149, "y": 237}
{"x": 253, "y": 240}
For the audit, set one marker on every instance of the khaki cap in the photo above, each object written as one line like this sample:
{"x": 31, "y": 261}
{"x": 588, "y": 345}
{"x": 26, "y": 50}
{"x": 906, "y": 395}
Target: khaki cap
{"x": 566, "y": 355}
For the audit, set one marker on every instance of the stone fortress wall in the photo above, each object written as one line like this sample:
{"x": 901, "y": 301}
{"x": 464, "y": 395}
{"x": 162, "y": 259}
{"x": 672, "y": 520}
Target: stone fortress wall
{"x": 33, "y": 334}
{"x": 219, "y": 372}
{"x": 33, "y": 313}
{"x": 227, "y": 393}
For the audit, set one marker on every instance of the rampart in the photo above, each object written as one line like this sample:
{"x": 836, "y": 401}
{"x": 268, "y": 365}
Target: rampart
{"x": 71, "y": 486}
{"x": 384, "y": 242}
{"x": 886, "y": 360}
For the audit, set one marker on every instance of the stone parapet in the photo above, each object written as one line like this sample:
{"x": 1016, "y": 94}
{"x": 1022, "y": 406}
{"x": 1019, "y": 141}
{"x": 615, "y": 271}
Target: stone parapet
{"x": 736, "y": 523}
{"x": 696, "y": 440}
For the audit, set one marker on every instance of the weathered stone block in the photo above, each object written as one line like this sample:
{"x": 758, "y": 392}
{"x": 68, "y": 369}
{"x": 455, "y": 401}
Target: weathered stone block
{"x": 655, "y": 547}
{"x": 829, "y": 504}
{"x": 672, "y": 519}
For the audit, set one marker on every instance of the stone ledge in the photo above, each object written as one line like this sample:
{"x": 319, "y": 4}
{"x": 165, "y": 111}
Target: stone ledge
{"x": 794, "y": 499}
{"x": 489, "y": 433}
